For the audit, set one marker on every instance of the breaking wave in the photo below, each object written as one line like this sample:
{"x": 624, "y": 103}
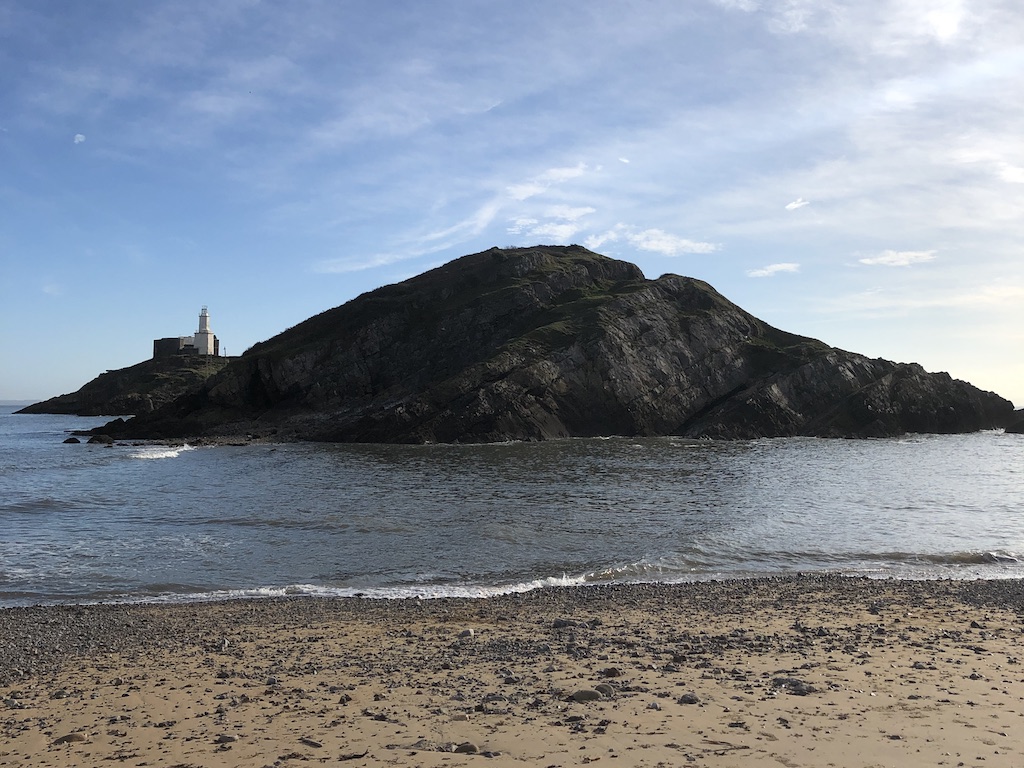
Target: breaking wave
{"x": 160, "y": 451}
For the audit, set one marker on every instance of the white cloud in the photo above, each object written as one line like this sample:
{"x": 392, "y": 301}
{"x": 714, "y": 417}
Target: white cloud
{"x": 593, "y": 242}
{"x": 544, "y": 181}
{"x": 559, "y": 232}
{"x": 773, "y": 269}
{"x": 898, "y": 258}
{"x": 945, "y": 22}
{"x": 79, "y": 138}
{"x": 624, "y": 160}
{"x": 798, "y": 203}
{"x": 1011, "y": 173}
{"x": 525, "y": 190}
{"x": 740, "y": 5}
{"x": 562, "y": 224}
{"x": 568, "y": 213}
{"x": 667, "y": 244}
{"x": 653, "y": 240}
{"x": 521, "y": 225}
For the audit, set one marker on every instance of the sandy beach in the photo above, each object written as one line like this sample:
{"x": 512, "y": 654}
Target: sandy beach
{"x": 802, "y": 671}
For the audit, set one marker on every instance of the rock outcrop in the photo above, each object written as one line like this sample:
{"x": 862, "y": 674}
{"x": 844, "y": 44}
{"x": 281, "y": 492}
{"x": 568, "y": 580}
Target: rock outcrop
{"x": 1016, "y": 424}
{"x": 137, "y": 389}
{"x": 551, "y": 342}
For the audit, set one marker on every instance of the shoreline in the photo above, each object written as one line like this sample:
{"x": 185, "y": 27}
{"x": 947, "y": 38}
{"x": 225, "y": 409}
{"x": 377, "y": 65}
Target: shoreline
{"x": 802, "y": 671}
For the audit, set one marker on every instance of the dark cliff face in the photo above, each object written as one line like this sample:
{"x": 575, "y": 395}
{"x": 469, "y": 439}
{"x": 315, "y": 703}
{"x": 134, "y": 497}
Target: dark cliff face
{"x": 550, "y": 342}
{"x": 140, "y": 388}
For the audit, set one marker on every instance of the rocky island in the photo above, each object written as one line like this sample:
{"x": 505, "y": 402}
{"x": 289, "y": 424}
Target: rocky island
{"x": 553, "y": 342}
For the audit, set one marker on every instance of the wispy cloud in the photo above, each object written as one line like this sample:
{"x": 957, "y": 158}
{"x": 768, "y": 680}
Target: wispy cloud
{"x": 653, "y": 240}
{"x": 992, "y": 297}
{"x": 798, "y": 203}
{"x": 563, "y": 221}
{"x": 898, "y": 258}
{"x": 341, "y": 266}
{"x": 667, "y": 244}
{"x": 773, "y": 269}
{"x": 543, "y": 182}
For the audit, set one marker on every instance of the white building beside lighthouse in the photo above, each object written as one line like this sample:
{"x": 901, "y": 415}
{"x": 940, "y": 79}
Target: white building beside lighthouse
{"x": 203, "y": 342}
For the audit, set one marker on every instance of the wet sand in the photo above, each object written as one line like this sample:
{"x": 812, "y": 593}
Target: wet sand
{"x": 802, "y": 671}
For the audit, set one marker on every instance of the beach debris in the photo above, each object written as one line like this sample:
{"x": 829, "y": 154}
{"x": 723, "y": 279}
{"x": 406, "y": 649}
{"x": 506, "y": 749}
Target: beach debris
{"x": 353, "y": 755}
{"x": 310, "y": 742}
{"x": 225, "y": 738}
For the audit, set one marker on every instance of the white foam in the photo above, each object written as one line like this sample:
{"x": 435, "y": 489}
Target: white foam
{"x": 160, "y": 451}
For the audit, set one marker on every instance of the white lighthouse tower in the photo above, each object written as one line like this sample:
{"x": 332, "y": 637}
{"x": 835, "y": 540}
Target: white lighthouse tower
{"x": 204, "y": 339}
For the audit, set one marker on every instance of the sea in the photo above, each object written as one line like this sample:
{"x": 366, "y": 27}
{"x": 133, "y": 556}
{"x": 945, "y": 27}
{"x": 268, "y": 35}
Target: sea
{"x": 140, "y": 522}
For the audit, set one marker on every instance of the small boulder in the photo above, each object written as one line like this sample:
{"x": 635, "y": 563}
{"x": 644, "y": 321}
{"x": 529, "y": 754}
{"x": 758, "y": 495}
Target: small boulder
{"x": 793, "y": 685}
{"x": 72, "y": 440}
{"x": 586, "y": 694}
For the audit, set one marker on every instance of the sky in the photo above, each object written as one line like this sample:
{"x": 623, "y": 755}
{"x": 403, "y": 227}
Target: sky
{"x": 847, "y": 170}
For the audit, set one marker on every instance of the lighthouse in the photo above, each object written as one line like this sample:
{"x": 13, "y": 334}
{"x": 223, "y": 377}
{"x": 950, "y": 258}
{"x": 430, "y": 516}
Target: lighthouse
{"x": 204, "y": 338}
{"x": 203, "y": 342}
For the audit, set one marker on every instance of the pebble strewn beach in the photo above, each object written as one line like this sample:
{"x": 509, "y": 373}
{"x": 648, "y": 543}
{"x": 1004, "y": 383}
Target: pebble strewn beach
{"x": 802, "y": 671}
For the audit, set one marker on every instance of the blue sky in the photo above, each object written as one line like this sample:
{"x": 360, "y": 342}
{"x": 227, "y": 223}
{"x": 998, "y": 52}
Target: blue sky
{"x": 852, "y": 171}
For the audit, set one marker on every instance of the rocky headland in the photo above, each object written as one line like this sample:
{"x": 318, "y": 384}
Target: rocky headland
{"x": 553, "y": 342}
{"x": 138, "y": 389}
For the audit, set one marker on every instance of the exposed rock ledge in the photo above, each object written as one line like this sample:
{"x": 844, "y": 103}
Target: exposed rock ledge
{"x": 140, "y": 388}
{"x": 552, "y": 342}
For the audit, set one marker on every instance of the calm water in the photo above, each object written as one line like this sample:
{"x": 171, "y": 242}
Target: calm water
{"x": 84, "y": 522}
